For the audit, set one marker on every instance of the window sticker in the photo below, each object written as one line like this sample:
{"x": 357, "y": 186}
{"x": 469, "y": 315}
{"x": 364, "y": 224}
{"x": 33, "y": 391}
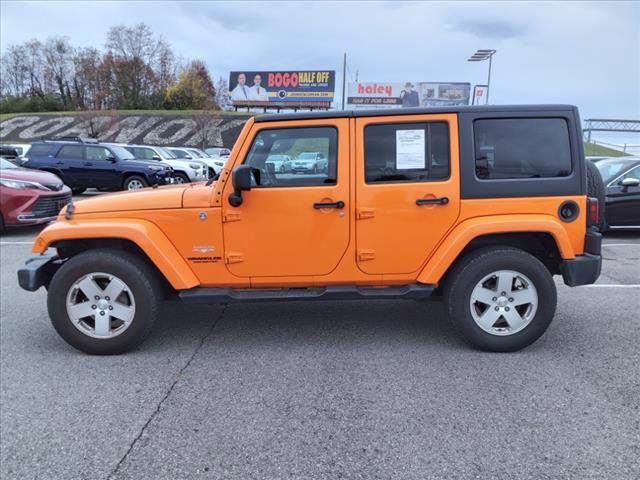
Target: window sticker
{"x": 410, "y": 148}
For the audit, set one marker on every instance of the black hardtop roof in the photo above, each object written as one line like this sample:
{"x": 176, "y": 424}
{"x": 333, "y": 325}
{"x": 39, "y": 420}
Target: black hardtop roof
{"x": 274, "y": 117}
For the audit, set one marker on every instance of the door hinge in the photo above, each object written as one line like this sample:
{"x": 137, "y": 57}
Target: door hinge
{"x": 364, "y": 255}
{"x": 363, "y": 213}
{"x": 231, "y": 216}
{"x": 233, "y": 258}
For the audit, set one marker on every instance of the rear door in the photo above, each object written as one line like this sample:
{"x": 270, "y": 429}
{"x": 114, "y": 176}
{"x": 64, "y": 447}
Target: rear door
{"x": 70, "y": 160}
{"x": 407, "y": 189}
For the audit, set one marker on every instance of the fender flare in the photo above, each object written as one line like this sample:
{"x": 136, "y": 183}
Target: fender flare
{"x": 146, "y": 235}
{"x": 455, "y": 242}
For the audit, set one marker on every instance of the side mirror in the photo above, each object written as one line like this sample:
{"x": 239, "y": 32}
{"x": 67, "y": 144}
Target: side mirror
{"x": 156, "y": 157}
{"x": 112, "y": 159}
{"x": 242, "y": 180}
{"x": 629, "y": 182}
{"x": 188, "y": 157}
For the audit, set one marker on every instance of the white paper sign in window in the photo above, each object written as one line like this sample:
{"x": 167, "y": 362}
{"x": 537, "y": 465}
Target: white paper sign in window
{"x": 410, "y": 150}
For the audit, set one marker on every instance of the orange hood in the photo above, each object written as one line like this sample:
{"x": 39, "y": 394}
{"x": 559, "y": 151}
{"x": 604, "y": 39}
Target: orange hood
{"x": 145, "y": 199}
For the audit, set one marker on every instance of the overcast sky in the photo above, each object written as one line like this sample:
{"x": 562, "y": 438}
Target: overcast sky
{"x": 583, "y": 53}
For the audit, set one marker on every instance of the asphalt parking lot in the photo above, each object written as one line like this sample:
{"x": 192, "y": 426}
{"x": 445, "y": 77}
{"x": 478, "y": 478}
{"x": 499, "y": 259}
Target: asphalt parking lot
{"x": 379, "y": 389}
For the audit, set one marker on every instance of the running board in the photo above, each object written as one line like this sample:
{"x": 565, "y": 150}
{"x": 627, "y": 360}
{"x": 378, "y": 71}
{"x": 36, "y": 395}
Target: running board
{"x": 339, "y": 292}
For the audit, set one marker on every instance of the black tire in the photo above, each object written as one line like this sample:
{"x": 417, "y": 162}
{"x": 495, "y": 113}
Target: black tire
{"x": 143, "y": 284}
{"x": 212, "y": 173}
{"x": 1, "y": 223}
{"x": 181, "y": 177}
{"x": 596, "y": 189}
{"x": 471, "y": 269}
{"x": 78, "y": 191}
{"x": 134, "y": 179}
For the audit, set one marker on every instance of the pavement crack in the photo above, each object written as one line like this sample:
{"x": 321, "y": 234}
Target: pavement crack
{"x": 167, "y": 393}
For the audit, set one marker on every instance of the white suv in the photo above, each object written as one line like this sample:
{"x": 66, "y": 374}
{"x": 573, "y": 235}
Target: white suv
{"x": 185, "y": 171}
{"x": 187, "y": 153}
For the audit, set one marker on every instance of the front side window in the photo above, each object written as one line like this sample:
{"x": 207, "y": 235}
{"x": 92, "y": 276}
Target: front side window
{"x": 290, "y": 157}
{"x": 406, "y": 152}
{"x": 179, "y": 153}
{"x": 98, "y": 154}
{"x": 71, "y": 152}
{"x": 511, "y": 148}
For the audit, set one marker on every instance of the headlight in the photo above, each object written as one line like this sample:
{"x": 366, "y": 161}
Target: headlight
{"x": 219, "y": 164}
{"x": 195, "y": 166}
{"x": 153, "y": 168}
{"x": 21, "y": 184}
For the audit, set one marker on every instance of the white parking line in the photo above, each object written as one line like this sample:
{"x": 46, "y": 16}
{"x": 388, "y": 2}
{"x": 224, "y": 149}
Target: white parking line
{"x": 16, "y": 243}
{"x": 620, "y": 244}
{"x": 611, "y": 285}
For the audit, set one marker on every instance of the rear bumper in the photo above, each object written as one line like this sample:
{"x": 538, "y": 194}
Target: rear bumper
{"x": 584, "y": 269}
{"x": 37, "y": 271}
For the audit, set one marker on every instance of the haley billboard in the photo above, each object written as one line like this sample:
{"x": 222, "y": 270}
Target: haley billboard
{"x": 407, "y": 94}
{"x": 307, "y": 87}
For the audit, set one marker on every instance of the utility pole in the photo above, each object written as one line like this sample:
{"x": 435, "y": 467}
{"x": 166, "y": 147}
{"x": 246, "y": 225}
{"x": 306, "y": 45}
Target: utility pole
{"x": 480, "y": 56}
{"x": 344, "y": 76}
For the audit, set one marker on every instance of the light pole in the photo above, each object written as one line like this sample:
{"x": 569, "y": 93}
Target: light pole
{"x": 481, "y": 56}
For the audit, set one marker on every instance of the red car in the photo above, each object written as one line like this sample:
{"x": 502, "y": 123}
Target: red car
{"x": 29, "y": 197}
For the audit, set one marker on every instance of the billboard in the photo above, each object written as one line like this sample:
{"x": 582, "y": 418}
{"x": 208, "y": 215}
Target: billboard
{"x": 284, "y": 88}
{"x": 407, "y": 94}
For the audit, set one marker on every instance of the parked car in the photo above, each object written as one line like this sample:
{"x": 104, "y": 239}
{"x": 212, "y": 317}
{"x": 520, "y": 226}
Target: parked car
{"x": 29, "y": 197}
{"x": 281, "y": 163}
{"x": 217, "y": 152}
{"x": 487, "y": 239}
{"x": 621, "y": 176}
{"x": 214, "y": 166}
{"x": 94, "y": 165}
{"x": 185, "y": 171}
{"x": 309, "y": 162}
{"x": 15, "y": 152}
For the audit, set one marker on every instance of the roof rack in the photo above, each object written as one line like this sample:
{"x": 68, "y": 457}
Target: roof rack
{"x": 79, "y": 139}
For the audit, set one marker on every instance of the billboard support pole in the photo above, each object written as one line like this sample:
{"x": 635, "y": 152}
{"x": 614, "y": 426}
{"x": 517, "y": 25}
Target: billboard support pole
{"x": 489, "y": 78}
{"x": 344, "y": 76}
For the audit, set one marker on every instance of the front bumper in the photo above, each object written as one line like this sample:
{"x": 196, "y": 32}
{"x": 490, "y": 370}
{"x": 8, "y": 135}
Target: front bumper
{"x": 37, "y": 271}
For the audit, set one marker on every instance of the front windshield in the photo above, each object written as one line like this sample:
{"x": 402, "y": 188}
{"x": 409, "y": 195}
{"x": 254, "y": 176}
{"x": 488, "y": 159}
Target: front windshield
{"x": 122, "y": 153}
{"x": 166, "y": 152}
{"x": 610, "y": 169}
{"x": 307, "y": 156}
{"x": 6, "y": 164}
{"x": 195, "y": 153}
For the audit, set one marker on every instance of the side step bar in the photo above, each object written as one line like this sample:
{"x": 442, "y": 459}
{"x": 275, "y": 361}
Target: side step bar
{"x": 340, "y": 292}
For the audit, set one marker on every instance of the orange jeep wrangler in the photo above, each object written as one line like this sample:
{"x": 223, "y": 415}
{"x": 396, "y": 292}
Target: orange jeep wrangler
{"x": 480, "y": 206}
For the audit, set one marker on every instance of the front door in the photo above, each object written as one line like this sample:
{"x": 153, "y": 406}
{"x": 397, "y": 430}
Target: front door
{"x": 101, "y": 168}
{"x": 291, "y": 224}
{"x": 623, "y": 203}
{"x": 407, "y": 189}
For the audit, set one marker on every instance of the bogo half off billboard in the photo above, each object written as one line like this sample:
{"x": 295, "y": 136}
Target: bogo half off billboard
{"x": 289, "y": 88}
{"x": 407, "y": 94}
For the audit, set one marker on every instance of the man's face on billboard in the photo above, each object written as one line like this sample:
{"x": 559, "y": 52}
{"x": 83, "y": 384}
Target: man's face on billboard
{"x": 242, "y": 79}
{"x": 257, "y": 80}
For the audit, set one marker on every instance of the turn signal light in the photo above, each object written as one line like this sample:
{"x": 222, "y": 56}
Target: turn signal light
{"x": 594, "y": 211}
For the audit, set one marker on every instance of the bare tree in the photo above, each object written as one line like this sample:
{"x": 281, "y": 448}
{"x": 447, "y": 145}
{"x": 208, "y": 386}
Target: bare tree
{"x": 58, "y": 53}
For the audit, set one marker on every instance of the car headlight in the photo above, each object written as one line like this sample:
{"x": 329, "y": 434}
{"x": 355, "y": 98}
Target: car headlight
{"x": 21, "y": 184}
{"x": 153, "y": 168}
{"x": 195, "y": 166}
{"x": 219, "y": 164}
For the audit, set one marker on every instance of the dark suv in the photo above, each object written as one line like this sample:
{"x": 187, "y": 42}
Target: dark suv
{"x": 83, "y": 165}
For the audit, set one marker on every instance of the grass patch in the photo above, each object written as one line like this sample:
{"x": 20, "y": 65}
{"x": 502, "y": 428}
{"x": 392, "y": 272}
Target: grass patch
{"x": 600, "y": 151}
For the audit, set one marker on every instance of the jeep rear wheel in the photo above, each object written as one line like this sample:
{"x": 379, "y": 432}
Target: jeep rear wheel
{"x": 500, "y": 299}
{"x": 104, "y": 301}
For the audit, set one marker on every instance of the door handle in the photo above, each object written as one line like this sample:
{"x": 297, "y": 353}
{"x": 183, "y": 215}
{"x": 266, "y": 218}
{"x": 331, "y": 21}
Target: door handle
{"x": 432, "y": 201}
{"x": 338, "y": 204}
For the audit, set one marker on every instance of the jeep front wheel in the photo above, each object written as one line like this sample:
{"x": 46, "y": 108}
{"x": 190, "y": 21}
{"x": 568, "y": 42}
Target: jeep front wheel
{"x": 500, "y": 299}
{"x": 104, "y": 301}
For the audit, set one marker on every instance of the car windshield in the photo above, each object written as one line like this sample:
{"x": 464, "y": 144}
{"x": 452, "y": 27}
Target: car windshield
{"x": 610, "y": 169}
{"x": 122, "y": 153}
{"x": 6, "y": 164}
{"x": 307, "y": 156}
{"x": 166, "y": 153}
{"x": 195, "y": 153}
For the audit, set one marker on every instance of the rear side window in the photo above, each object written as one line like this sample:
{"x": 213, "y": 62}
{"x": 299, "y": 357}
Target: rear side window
{"x": 509, "y": 148}
{"x": 39, "y": 150}
{"x": 406, "y": 152}
{"x": 71, "y": 152}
